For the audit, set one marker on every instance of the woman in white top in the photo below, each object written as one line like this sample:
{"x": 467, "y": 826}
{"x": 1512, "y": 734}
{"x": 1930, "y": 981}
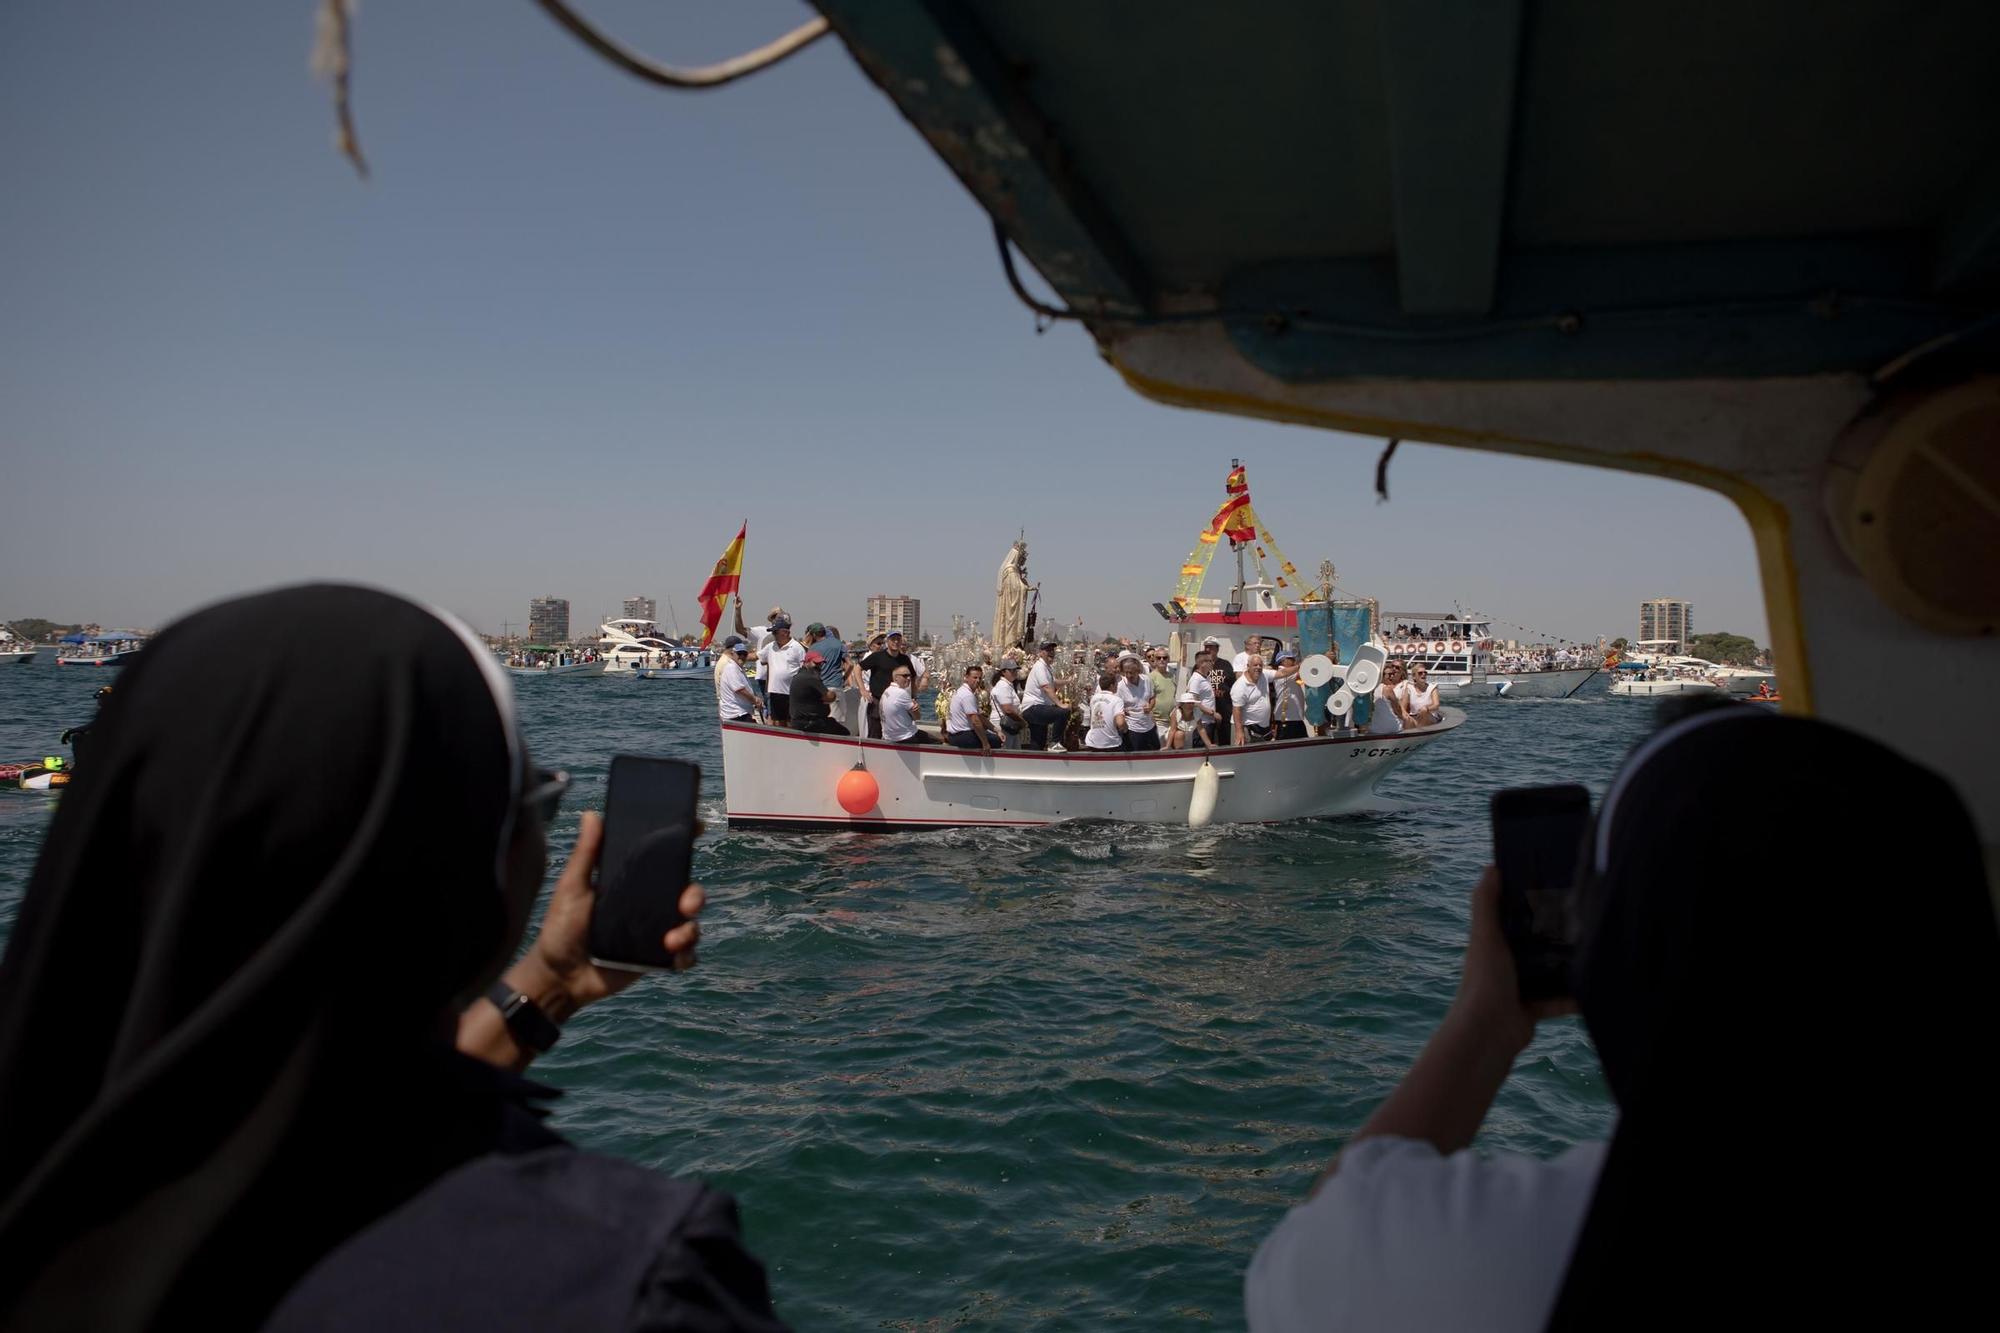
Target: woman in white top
{"x": 1797, "y": 1106}
{"x": 1005, "y": 700}
{"x": 1106, "y": 716}
{"x": 1386, "y": 718}
{"x": 1420, "y": 697}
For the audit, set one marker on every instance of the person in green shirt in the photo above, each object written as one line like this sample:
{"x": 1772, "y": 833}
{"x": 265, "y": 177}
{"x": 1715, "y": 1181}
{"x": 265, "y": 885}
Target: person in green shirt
{"x": 1165, "y": 691}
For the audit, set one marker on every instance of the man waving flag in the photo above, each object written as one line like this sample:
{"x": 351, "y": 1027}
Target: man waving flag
{"x": 723, "y": 581}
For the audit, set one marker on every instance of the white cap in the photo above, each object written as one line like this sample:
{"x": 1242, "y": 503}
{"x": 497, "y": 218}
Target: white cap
{"x": 1128, "y": 653}
{"x": 1211, "y": 642}
{"x": 1188, "y": 698}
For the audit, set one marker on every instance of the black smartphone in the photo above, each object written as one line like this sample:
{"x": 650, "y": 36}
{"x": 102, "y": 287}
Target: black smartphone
{"x": 648, "y": 855}
{"x": 1538, "y": 835}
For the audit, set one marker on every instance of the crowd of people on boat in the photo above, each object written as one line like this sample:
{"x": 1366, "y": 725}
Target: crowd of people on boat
{"x": 1125, "y": 698}
{"x": 286, "y": 1095}
{"x": 521, "y": 658}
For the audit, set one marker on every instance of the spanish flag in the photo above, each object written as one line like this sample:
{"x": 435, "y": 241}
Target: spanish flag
{"x": 722, "y": 581}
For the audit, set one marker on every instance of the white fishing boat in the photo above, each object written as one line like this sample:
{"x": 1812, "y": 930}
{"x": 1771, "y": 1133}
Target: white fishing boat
{"x": 1652, "y": 682}
{"x": 774, "y": 777}
{"x": 690, "y": 666}
{"x": 100, "y": 650}
{"x": 1736, "y": 680}
{"x": 15, "y": 651}
{"x": 553, "y": 669}
{"x": 1457, "y": 649}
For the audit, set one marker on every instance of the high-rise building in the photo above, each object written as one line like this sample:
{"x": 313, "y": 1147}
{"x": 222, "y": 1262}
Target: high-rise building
{"x": 641, "y": 608}
{"x": 887, "y": 613}
{"x": 1667, "y": 619}
{"x": 548, "y": 620}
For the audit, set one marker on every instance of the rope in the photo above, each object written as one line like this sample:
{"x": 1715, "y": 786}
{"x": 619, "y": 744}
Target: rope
{"x": 690, "y": 77}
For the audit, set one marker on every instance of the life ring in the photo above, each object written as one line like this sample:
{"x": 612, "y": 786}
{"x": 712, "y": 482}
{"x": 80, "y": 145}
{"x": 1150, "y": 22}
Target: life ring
{"x": 1437, "y": 645}
{"x": 1458, "y": 645}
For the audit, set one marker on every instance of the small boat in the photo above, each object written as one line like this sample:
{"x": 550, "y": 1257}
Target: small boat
{"x": 774, "y": 777}
{"x": 38, "y": 775}
{"x": 541, "y": 661}
{"x": 100, "y": 650}
{"x": 632, "y": 644}
{"x": 1651, "y": 682}
{"x": 14, "y": 650}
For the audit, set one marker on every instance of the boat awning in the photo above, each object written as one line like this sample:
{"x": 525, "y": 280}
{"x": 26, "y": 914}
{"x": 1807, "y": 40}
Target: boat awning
{"x": 1491, "y": 189}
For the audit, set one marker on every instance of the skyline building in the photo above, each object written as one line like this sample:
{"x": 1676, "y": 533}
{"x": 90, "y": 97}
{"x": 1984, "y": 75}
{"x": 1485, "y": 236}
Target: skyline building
{"x": 641, "y": 608}
{"x": 887, "y": 613}
{"x": 1667, "y": 619}
{"x": 548, "y": 620}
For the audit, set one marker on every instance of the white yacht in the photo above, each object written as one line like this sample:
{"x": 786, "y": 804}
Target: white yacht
{"x": 1649, "y": 682}
{"x": 1457, "y": 649}
{"x": 15, "y": 651}
{"x": 631, "y": 645}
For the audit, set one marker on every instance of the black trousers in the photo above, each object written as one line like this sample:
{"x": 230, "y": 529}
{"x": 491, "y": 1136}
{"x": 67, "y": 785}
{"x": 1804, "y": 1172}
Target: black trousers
{"x": 825, "y": 727}
{"x": 779, "y": 706}
{"x": 1142, "y": 740}
{"x": 1040, "y": 717}
{"x": 964, "y": 740}
{"x": 1291, "y": 731}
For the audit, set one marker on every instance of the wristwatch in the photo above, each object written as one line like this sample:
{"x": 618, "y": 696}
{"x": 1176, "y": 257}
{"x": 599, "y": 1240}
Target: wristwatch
{"x": 524, "y": 1018}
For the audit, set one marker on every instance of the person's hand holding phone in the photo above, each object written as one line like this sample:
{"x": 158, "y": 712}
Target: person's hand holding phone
{"x": 562, "y": 946}
{"x": 1489, "y": 1001}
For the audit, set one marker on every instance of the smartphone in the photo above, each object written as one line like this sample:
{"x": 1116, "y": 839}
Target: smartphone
{"x": 1538, "y": 835}
{"x": 648, "y": 856}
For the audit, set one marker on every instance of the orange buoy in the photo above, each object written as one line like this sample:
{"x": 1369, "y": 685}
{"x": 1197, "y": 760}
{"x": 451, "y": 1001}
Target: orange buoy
{"x": 857, "y": 792}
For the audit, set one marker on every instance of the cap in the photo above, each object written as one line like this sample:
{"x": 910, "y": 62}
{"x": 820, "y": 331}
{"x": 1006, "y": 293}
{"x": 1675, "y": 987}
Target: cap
{"x": 814, "y": 658}
{"x": 732, "y": 643}
{"x": 1050, "y": 643}
{"x": 893, "y": 634}
{"x": 781, "y": 623}
{"x": 1211, "y": 642}
{"x": 1008, "y": 664}
{"x": 1128, "y": 654}
{"x": 815, "y": 628}
{"x": 1288, "y": 656}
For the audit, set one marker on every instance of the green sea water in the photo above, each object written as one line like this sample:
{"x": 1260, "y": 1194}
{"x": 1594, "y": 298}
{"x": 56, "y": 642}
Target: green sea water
{"x": 1064, "y": 1078}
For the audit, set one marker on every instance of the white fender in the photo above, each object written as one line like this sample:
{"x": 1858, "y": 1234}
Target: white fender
{"x": 1201, "y": 802}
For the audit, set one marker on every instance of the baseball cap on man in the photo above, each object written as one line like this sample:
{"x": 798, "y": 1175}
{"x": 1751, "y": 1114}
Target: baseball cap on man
{"x": 1211, "y": 642}
{"x": 732, "y": 643}
{"x": 814, "y": 659}
{"x": 1050, "y": 643}
{"x": 815, "y": 628}
{"x": 895, "y": 634}
{"x": 781, "y": 623}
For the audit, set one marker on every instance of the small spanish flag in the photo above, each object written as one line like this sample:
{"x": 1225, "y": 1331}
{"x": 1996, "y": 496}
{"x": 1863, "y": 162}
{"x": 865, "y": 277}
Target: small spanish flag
{"x": 722, "y": 581}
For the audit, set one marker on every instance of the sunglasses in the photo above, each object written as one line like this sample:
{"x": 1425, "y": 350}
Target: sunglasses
{"x": 899, "y": 675}
{"x": 544, "y": 795}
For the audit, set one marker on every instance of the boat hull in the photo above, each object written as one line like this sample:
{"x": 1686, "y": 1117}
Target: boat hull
{"x": 1649, "y": 689}
{"x": 111, "y": 660}
{"x": 773, "y": 777}
{"x": 1560, "y": 683}
{"x": 572, "y": 669}
{"x": 16, "y": 658}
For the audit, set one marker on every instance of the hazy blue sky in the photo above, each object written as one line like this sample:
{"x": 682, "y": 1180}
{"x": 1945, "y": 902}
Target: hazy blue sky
{"x": 575, "y": 329}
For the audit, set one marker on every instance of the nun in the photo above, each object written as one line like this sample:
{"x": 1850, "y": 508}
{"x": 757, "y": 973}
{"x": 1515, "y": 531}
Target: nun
{"x": 1789, "y": 970}
{"x": 265, "y": 920}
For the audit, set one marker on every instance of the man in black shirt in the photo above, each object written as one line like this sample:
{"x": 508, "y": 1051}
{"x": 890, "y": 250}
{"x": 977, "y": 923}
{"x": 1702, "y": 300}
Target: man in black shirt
{"x": 879, "y": 663}
{"x": 811, "y": 704}
{"x": 1225, "y": 680}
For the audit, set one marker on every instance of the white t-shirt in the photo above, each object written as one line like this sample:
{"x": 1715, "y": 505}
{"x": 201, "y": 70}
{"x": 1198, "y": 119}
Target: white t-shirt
{"x": 1252, "y": 701}
{"x": 898, "y": 722}
{"x": 1103, "y": 733}
{"x": 729, "y": 678}
{"x": 1136, "y": 698}
{"x": 1382, "y": 719}
{"x": 1403, "y": 1237}
{"x": 1003, "y": 692}
{"x": 1241, "y": 662}
{"x": 1203, "y": 690}
{"x": 1416, "y": 702}
{"x": 779, "y": 664}
{"x": 964, "y": 704}
{"x": 1041, "y": 686}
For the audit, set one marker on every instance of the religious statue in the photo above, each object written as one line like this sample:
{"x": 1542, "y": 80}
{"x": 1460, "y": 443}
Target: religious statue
{"x": 1010, "y": 599}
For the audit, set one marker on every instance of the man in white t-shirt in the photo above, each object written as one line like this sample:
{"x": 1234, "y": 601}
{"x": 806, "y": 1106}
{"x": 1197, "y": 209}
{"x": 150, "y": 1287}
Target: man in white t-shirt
{"x": 1007, "y": 723}
{"x": 1201, "y": 692}
{"x": 1135, "y": 695}
{"x": 898, "y": 709}
{"x": 779, "y": 659}
{"x": 1250, "y": 704}
{"x": 965, "y": 724}
{"x": 1288, "y": 716}
{"x": 1042, "y": 705}
{"x": 734, "y": 699}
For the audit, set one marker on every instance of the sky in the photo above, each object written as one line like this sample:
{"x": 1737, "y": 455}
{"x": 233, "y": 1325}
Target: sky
{"x": 575, "y": 329}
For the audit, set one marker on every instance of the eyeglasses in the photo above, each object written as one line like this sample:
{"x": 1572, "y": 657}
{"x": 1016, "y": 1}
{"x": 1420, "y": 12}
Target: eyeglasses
{"x": 544, "y": 795}
{"x": 899, "y": 675}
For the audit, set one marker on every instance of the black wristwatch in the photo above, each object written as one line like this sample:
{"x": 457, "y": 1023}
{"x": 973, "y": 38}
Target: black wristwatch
{"x": 524, "y": 1018}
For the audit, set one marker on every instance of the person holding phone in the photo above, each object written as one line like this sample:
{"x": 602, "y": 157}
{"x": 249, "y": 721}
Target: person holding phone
{"x": 257, "y": 1018}
{"x": 1804, "y": 1107}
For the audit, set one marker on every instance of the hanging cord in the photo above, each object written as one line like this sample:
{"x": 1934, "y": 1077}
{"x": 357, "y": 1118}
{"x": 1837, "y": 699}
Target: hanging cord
{"x": 1045, "y": 314}
{"x": 698, "y": 76}
{"x": 1382, "y": 472}
{"x": 332, "y": 57}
